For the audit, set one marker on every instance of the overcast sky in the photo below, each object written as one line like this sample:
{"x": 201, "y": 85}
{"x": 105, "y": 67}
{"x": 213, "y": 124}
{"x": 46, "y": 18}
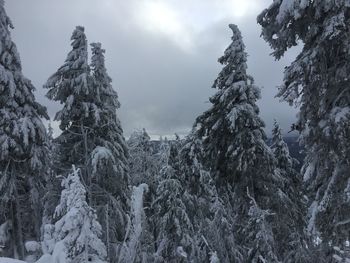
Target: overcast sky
{"x": 161, "y": 54}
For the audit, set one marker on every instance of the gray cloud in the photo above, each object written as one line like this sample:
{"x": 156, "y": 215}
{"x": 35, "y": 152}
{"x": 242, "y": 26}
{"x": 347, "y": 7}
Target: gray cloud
{"x": 162, "y": 85}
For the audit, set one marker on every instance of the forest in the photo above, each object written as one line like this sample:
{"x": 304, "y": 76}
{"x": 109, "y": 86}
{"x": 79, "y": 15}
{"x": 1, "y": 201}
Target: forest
{"x": 223, "y": 193}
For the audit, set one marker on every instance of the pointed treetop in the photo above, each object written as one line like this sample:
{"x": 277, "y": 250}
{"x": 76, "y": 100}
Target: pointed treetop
{"x": 4, "y": 19}
{"x": 280, "y": 148}
{"x": 98, "y": 61}
{"x": 235, "y": 61}
{"x": 97, "y": 46}
{"x": 277, "y": 131}
{"x": 50, "y": 130}
{"x": 235, "y": 29}
{"x": 77, "y": 36}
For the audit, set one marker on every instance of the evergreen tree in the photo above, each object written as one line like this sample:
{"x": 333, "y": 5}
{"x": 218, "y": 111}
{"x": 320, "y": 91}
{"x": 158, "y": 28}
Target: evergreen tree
{"x": 52, "y": 183}
{"x": 210, "y": 216}
{"x": 318, "y": 82}
{"x": 259, "y": 235}
{"x": 77, "y": 232}
{"x": 109, "y": 158}
{"x": 23, "y": 146}
{"x": 280, "y": 149}
{"x": 162, "y": 156}
{"x": 233, "y": 142}
{"x": 172, "y": 225}
{"x": 142, "y": 160}
{"x": 291, "y": 215}
{"x": 92, "y": 136}
{"x": 144, "y": 166}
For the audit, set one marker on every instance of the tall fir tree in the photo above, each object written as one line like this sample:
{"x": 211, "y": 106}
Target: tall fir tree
{"x": 23, "y": 144}
{"x": 173, "y": 229}
{"x": 212, "y": 219}
{"x": 291, "y": 215}
{"x": 92, "y": 137}
{"x": 317, "y": 81}
{"x": 233, "y": 144}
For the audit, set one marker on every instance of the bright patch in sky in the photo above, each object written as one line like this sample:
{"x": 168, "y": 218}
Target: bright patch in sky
{"x": 180, "y": 20}
{"x": 159, "y": 17}
{"x": 240, "y": 8}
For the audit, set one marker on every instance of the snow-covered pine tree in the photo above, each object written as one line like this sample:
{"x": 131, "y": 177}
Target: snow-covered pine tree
{"x": 233, "y": 140}
{"x": 211, "y": 219}
{"x": 259, "y": 235}
{"x": 162, "y": 155}
{"x": 92, "y": 136}
{"x": 173, "y": 228}
{"x": 293, "y": 242}
{"x": 142, "y": 160}
{"x": 109, "y": 157}
{"x": 77, "y": 232}
{"x": 318, "y": 81}
{"x": 280, "y": 149}
{"x": 52, "y": 183}
{"x": 23, "y": 148}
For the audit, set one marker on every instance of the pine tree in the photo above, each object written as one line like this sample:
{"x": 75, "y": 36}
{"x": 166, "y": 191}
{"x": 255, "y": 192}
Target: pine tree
{"x": 318, "y": 82}
{"x": 259, "y": 235}
{"x": 23, "y": 147}
{"x": 52, "y": 183}
{"x": 142, "y": 160}
{"x": 77, "y": 232}
{"x": 291, "y": 215}
{"x": 173, "y": 227}
{"x": 109, "y": 157}
{"x": 210, "y": 216}
{"x": 233, "y": 142}
{"x": 92, "y": 136}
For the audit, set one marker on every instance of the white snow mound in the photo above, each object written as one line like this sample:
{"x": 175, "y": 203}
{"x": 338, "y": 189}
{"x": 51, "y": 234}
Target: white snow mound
{"x": 10, "y": 260}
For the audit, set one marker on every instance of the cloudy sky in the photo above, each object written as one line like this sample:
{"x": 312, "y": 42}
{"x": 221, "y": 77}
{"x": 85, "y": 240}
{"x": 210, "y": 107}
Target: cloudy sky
{"x": 161, "y": 54}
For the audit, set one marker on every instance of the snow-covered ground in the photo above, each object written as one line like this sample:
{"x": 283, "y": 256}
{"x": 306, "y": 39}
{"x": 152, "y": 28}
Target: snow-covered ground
{"x": 10, "y": 260}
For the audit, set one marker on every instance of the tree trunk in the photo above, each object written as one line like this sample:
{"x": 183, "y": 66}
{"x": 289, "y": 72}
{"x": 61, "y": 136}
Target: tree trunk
{"x": 18, "y": 227}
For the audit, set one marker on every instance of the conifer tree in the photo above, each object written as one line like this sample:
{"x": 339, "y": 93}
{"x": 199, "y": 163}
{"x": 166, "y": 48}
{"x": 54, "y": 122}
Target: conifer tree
{"x": 77, "y": 232}
{"x": 318, "y": 82}
{"x": 233, "y": 142}
{"x": 142, "y": 160}
{"x": 259, "y": 235}
{"x": 211, "y": 217}
{"x": 173, "y": 227}
{"x": 293, "y": 243}
{"x": 92, "y": 137}
{"x": 23, "y": 146}
{"x": 52, "y": 183}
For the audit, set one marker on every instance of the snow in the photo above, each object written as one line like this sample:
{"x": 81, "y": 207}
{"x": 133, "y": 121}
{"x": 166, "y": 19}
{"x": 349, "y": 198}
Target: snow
{"x": 214, "y": 257}
{"x": 77, "y": 231}
{"x": 180, "y": 250}
{"x": 32, "y": 246}
{"x": 4, "y": 233}
{"x": 340, "y": 114}
{"x": 10, "y": 260}
{"x": 46, "y": 259}
{"x": 131, "y": 247}
{"x": 309, "y": 171}
{"x": 291, "y": 8}
{"x": 313, "y": 210}
{"x": 98, "y": 155}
